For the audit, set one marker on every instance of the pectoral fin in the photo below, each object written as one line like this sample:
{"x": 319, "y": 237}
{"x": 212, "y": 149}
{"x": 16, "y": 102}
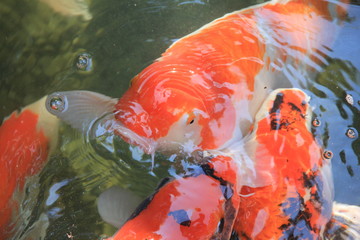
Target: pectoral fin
{"x": 116, "y": 204}
{"x": 79, "y": 108}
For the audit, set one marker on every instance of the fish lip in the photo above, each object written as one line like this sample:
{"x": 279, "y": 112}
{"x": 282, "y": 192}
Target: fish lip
{"x": 148, "y": 145}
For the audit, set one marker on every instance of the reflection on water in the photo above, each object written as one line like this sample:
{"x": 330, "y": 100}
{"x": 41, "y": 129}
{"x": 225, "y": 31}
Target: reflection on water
{"x": 42, "y": 50}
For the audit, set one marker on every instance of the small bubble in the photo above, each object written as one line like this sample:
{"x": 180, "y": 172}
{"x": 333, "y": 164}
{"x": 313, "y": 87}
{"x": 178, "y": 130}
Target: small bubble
{"x": 57, "y": 104}
{"x": 316, "y": 122}
{"x": 349, "y": 98}
{"x": 351, "y": 133}
{"x": 327, "y": 154}
{"x": 84, "y": 62}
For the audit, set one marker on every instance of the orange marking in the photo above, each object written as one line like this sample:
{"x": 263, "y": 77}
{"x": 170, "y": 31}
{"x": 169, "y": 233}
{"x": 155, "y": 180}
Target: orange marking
{"x": 23, "y": 151}
{"x": 214, "y": 68}
{"x": 287, "y": 149}
{"x": 189, "y": 208}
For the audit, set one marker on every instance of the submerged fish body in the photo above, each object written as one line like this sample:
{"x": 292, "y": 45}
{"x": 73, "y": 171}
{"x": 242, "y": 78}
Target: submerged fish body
{"x": 201, "y": 205}
{"x": 295, "y": 201}
{"x": 27, "y": 138}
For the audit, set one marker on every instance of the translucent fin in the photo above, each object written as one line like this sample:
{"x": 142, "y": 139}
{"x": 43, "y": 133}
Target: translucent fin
{"x": 79, "y": 108}
{"x": 116, "y": 204}
{"x": 346, "y": 222}
{"x": 70, "y": 7}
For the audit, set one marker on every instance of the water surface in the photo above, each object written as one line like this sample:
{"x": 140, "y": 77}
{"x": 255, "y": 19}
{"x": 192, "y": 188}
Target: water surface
{"x": 40, "y": 49}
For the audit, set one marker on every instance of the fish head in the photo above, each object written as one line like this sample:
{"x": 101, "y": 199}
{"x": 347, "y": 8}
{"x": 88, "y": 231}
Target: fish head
{"x": 153, "y": 118}
{"x": 281, "y": 131}
{"x": 167, "y": 117}
{"x": 284, "y": 109}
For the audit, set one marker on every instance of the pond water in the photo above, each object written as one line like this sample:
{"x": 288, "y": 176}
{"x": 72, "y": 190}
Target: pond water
{"x": 40, "y": 47}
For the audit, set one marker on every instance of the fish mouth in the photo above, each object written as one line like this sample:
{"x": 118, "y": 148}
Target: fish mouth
{"x": 148, "y": 145}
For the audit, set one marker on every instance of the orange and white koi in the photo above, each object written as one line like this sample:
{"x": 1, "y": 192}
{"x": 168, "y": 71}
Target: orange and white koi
{"x": 295, "y": 201}
{"x": 206, "y": 88}
{"x": 211, "y": 203}
{"x": 201, "y": 205}
{"x": 26, "y": 138}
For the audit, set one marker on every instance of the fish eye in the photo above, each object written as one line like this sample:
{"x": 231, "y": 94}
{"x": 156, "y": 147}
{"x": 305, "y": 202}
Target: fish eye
{"x": 191, "y": 118}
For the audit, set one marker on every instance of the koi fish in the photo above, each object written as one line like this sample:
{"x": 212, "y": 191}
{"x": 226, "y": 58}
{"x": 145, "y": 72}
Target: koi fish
{"x": 212, "y": 203}
{"x": 27, "y": 138}
{"x": 295, "y": 201}
{"x": 205, "y": 89}
{"x": 201, "y": 205}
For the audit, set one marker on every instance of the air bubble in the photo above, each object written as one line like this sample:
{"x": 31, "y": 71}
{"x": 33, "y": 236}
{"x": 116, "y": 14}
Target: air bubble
{"x": 327, "y": 154}
{"x": 351, "y": 133}
{"x": 84, "y": 62}
{"x": 349, "y": 98}
{"x": 316, "y": 122}
{"x": 57, "y": 104}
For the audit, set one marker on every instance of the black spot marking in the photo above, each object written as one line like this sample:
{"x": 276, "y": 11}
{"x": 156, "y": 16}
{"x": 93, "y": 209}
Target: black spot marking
{"x": 220, "y": 225}
{"x": 284, "y": 227}
{"x": 298, "y": 211}
{"x": 275, "y": 124}
{"x": 192, "y": 121}
{"x": 277, "y": 103}
{"x": 294, "y": 107}
{"x": 229, "y": 209}
{"x": 309, "y": 180}
{"x": 241, "y": 236}
{"x": 162, "y": 183}
{"x": 227, "y": 191}
{"x": 234, "y": 236}
{"x": 144, "y": 204}
{"x": 211, "y": 173}
{"x": 181, "y": 217}
{"x": 314, "y": 182}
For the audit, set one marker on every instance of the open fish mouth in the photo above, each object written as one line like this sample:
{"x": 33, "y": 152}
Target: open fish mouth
{"x": 148, "y": 145}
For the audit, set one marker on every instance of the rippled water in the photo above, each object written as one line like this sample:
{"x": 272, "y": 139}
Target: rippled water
{"x": 40, "y": 52}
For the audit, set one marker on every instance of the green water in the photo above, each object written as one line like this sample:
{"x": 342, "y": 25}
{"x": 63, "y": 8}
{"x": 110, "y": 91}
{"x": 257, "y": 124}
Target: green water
{"x": 39, "y": 49}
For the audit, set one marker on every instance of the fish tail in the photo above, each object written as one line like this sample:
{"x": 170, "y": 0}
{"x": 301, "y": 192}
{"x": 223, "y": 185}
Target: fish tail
{"x": 345, "y": 223}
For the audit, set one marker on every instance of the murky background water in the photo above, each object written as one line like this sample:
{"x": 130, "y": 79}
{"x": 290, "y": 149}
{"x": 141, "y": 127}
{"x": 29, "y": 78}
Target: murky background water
{"x": 40, "y": 49}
